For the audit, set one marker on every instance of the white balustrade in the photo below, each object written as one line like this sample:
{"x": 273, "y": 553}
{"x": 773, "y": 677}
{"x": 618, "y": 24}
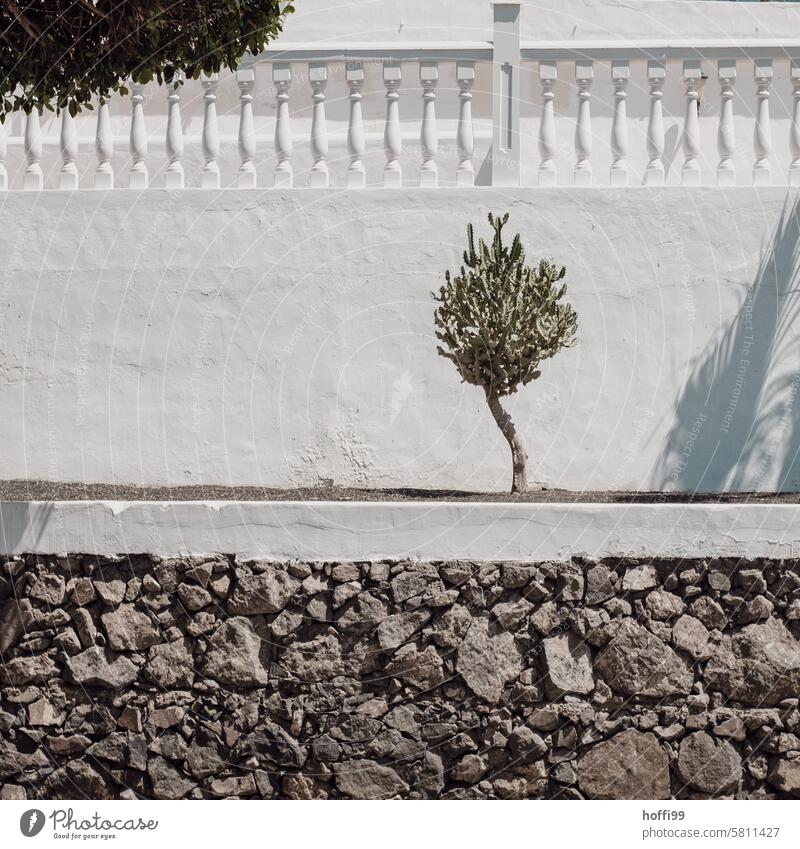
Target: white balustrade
{"x": 282, "y": 78}
{"x": 656, "y": 76}
{"x": 319, "y": 178}
{"x": 139, "y": 177}
{"x": 690, "y": 172}
{"x": 726, "y": 134}
{"x": 794, "y": 131}
{"x": 174, "y": 177}
{"x": 392, "y": 140}
{"x": 33, "y": 179}
{"x": 210, "y": 175}
{"x": 3, "y": 155}
{"x": 429, "y": 138}
{"x": 547, "y": 125}
{"x": 68, "y": 143}
{"x": 104, "y": 148}
{"x": 762, "y": 136}
{"x": 356, "y": 145}
{"x": 465, "y": 172}
{"x": 584, "y": 74}
{"x": 245, "y": 79}
{"x": 620, "y": 76}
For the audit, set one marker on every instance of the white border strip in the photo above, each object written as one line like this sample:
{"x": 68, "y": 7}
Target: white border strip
{"x": 332, "y": 530}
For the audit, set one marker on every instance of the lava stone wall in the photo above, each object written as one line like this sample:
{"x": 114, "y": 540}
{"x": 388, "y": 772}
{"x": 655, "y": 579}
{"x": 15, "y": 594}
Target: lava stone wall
{"x": 210, "y": 677}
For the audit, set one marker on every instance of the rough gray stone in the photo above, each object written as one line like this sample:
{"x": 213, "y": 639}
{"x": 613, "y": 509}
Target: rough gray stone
{"x": 236, "y": 655}
{"x": 49, "y": 589}
{"x": 567, "y": 661}
{"x": 487, "y": 663}
{"x": 709, "y": 765}
{"x": 268, "y": 592}
{"x": 641, "y": 577}
{"x": 170, "y": 665}
{"x": 631, "y": 765}
{"x": 690, "y": 635}
{"x": 129, "y": 629}
{"x": 95, "y": 667}
{"x": 397, "y": 629}
{"x": 365, "y": 779}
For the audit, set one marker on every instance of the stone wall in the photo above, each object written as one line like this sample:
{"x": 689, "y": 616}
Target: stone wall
{"x": 206, "y": 678}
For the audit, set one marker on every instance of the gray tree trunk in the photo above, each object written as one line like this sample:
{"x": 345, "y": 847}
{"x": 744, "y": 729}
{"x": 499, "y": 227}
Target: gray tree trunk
{"x": 519, "y": 456}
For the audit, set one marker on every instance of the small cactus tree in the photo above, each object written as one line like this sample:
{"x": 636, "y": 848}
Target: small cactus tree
{"x": 497, "y": 320}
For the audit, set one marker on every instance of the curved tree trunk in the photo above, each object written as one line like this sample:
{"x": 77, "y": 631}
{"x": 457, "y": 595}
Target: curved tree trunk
{"x": 519, "y": 456}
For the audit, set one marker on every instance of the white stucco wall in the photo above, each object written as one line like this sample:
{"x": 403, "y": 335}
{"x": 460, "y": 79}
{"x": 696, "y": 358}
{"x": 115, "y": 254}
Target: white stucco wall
{"x": 277, "y": 338}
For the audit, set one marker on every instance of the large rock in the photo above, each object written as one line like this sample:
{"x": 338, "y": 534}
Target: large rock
{"x": 268, "y": 592}
{"x": 15, "y": 618}
{"x": 236, "y": 655}
{"x": 397, "y": 629}
{"x": 708, "y": 765}
{"x": 129, "y": 629}
{"x": 49, "y": 589}
{"x": 631, "y": 765}
{"x": 784, "y": 775}
{"x": 362, "y": 779}
{"x": 420, "y": 669}
{"x": 637, "y": 663}
{"x": 488, "y": 663}
{"x": 97, "y": 668}
{"x": 34, "y": 669}
{"x": 170, "y": 665}
{"x": 759, "y": 665}
{"x": 568, "y": 663}
{"x": 167, "y": 782}
{"x": 319, "y": 659}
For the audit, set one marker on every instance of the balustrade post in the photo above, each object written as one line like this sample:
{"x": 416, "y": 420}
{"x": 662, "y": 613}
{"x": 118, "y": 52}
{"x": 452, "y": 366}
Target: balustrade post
{"x": 506, "y": 70}
{"x": 620, "y": 76}
{"x": 794, "y": 132}
{"x": 104, "y": 148}
{"x": 547, "y": 125}
{"x": 245, "y": 79}
{"x": 33, "y": 179}
{"x": 584, "y": 74}
{"x": 68, "y": 143}
{"x": 139, "y": 177}
{"x": 210, "y": 175}
{"x": 465, "y": 172}
{"x": 656, "y": 77}
{"x": 429, "y": 139}
{"x": 356, "y": 175}
{"x": 319, "y": 177}
{"x": 762, "y": 135}
{"x": 3, "y": 154}
{"x": 690, "y": 172}
{"x": 282, "y": 78}
{"x": 392, "y": 140}
{"x": 174, "y": 140}
{"x": 726, "y": 133}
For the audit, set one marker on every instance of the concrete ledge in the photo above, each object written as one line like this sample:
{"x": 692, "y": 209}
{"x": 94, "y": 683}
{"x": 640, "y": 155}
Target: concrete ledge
{"x": 326, "y": 530}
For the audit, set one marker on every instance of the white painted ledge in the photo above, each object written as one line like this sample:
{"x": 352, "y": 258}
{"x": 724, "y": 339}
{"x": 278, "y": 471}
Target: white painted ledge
{"x": 325, "y": 530}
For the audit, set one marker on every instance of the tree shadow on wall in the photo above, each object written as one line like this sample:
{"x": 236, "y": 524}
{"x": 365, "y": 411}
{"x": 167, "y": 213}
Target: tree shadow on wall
{"x": 737, "y": 422}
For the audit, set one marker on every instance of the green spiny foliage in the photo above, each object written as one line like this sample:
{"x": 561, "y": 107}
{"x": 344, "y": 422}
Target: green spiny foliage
{"x": 499, "y": 318}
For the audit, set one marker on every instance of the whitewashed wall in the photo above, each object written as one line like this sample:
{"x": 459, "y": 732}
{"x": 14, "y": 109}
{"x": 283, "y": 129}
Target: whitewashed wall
{"x": 276, "y": 338}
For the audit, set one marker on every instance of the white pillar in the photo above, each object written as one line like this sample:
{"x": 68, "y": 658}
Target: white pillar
{"x": 33, "y": 179}
{"x": 429, "y": 139}
{"x": 282, "y": 78}
{"x": 762, "y": 135}
{"x": 794, "y": 132}
{"x": 3, "y": 154}
{"x": 690, "y": 172}
{"x": 210, "y": 176}
{"x": 68, "y": 143}
{"x": 245, "y": 79}
{"x": 174, "y": 140}
{"x": 104, "y": 147}
{"x": 620, "y": 75}
{"x": 319, "y": 177}
{"x": 584, "y": 74}
{"x": 465, "y": 172}
{"x": 547, "y": 125}
{"x": 656, "y": 76}
{"x": 506, "y": 90}
{"x": 139, "y": 177}
{"x": 356, "y": 175}
{"x": 392, "y": 141}
{"x": 726, "y": 133}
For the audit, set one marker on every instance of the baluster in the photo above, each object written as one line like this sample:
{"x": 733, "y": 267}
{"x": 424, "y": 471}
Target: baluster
{"x": 794, "y": 132}
{"x": 690, "y": 172}
{"x": 762, "y": 135}
{"x": 318, "y": 77}
{"x": 3, "y": 154}
{"x": 656, "y": 76}
{"x": 392, "y": 142}
{"x": 726, "y": 134}
{"x": 465, "y": 172}
{"x": 620, "y": 76}
{"x": 356, "y": 176}
{"x": 68, "y": 176}
{"x": 245, "y": 78}
{"x": 584, "y": 74}
{"x": 210, "y": 177}
{"x": 282, "y": 78}
{"x": 429, "y": 77}
{"x": 174, "y": 177}
{"x": 104, "y": 148}
{"x": 33, "y": 179}
{"x": 139, "y": 177}
{"x": 547, "y": 125}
